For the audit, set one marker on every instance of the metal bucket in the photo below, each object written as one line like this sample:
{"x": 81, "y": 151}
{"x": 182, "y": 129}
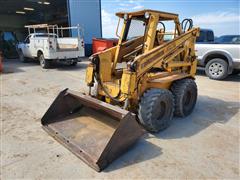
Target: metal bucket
{"x": 93, "y": 130}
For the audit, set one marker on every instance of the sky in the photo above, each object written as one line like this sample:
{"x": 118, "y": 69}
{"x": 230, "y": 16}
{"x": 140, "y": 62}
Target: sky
{"x": 222, "y": 16}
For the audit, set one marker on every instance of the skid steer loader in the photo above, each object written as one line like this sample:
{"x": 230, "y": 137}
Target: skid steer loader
{"x": 135, "y": 86}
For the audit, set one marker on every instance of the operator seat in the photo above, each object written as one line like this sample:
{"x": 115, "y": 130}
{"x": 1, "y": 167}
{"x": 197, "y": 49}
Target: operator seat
{"x": 160, "y": 36}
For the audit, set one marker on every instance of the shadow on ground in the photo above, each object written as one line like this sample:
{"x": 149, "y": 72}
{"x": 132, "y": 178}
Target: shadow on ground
{"x": 65, "y": 67}
{"x": 232, "y": 77}
{"x": 12, "y": 66}
{"x": 15, "y": 66}
{"x": 212, "y": 111}
{"x": 140, "y": 152}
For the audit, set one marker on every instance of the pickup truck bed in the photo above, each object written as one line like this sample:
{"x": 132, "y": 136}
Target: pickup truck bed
{"x": 67, "y": 43}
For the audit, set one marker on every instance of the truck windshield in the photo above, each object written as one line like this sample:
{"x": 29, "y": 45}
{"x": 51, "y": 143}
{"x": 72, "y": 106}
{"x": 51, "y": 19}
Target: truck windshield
{"x": 230, "y": 39}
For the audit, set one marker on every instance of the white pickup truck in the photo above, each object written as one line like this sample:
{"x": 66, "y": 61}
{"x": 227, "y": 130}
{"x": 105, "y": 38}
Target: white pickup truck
{"x": 220, "y": 56}
{"x": 48, "y": 47}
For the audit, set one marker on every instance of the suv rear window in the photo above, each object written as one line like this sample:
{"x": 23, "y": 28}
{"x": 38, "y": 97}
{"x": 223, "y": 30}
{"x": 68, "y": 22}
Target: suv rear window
{"x": 229, "y": 39}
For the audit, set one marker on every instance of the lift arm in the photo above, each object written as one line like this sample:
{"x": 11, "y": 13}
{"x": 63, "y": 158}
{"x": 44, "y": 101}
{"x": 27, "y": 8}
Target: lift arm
{"x": 163, "y": 54}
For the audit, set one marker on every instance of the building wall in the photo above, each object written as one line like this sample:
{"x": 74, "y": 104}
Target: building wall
{"x": 86, "y": 13}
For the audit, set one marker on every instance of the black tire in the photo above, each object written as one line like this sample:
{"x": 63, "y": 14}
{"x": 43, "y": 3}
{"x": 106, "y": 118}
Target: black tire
{"x": 217, "y": 69}
{"x": 156, "y": 109}
{"x": 73, "y": 64}
{"x": 21, "y": 56}
{"x": 185, "y": 96}
{"x": 44, "y": 62}
{"x": 236, "y": 71}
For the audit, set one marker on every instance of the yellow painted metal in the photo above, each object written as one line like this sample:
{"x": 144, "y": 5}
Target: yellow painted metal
{"x": 179, "y": 64}
{"x": 129, "y": 80}
{"x": 147, "y": 60}
{"x": 165, "y": 82}
{"x": 169, "y": 58}
{"x": 176, "y": 59}
{"x": 89, "y": 74}
{"x": 193, "y": 68}
{"x": 151, "y": 32}
{"x": 113, "y": 88}
{"x": 141, "y": 13}
{"x": 118, "y": 47}
{"x": 105, "y": 65}
{"x": 152, "y": 76}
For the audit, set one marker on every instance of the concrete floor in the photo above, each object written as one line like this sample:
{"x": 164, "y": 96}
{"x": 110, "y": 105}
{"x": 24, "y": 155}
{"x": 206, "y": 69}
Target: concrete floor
{"x": 203, "y": 145}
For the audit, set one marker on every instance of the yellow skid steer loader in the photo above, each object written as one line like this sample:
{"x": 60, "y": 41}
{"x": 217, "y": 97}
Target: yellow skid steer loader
{"x": 135, "y": 86}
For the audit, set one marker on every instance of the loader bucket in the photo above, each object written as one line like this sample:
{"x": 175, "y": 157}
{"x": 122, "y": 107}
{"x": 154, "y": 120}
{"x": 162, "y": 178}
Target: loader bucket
{"x": 95, "y": 131}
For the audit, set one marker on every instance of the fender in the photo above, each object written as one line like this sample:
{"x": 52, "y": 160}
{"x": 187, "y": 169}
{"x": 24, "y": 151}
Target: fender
{"x": 36, "y": 52}
{"x": 223, "y": 53}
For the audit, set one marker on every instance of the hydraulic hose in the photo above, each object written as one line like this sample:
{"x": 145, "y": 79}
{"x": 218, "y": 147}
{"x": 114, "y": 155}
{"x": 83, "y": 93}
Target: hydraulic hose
{"x": 184, "y": 24}
{"x": 105, "y": 90}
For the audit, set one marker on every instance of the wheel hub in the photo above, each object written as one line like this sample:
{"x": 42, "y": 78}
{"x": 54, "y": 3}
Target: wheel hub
{"x": 216, "y": 69}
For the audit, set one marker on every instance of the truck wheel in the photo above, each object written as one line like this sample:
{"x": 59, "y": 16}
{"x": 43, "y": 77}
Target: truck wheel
{"x": 73, "y": 64}
{"x": 185, "y": 96}
{"x": 44, "y": 62}
{"x": 217, "y": 69}
{"x": 21, "y": 56}
{"x": 156, "y": 109}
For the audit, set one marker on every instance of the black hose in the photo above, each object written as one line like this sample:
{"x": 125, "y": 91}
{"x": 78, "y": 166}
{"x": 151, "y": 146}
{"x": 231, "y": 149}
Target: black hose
{"x": 164, "y": 27}
{"x": 187, "y": 24}
{"x": 104, "y": 89}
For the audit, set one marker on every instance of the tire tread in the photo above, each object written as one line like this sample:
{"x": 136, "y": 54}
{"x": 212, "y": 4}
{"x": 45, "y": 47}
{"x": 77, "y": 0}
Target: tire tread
{"x": 147, "y": 104}
{"x": 178, "y": 88}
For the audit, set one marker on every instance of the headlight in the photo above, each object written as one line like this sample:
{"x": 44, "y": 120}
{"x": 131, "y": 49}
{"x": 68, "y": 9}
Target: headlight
{"x": 147, "y": 15}
{"x": 125, "y": 16}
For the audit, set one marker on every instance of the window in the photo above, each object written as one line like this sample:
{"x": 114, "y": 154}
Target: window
{"x": 166, "y": 29}
{"x": 236, "y": 40}
{"x": 210, "y": 36}
{"x": 206, "y": 36}
{"x": 201, "y": 37}
{"x": 230, "y": 39}
{"x": 136, "y": 29}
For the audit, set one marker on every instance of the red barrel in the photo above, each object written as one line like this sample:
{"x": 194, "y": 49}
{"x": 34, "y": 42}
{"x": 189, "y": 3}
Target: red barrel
{"x": 101, "y": 44}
